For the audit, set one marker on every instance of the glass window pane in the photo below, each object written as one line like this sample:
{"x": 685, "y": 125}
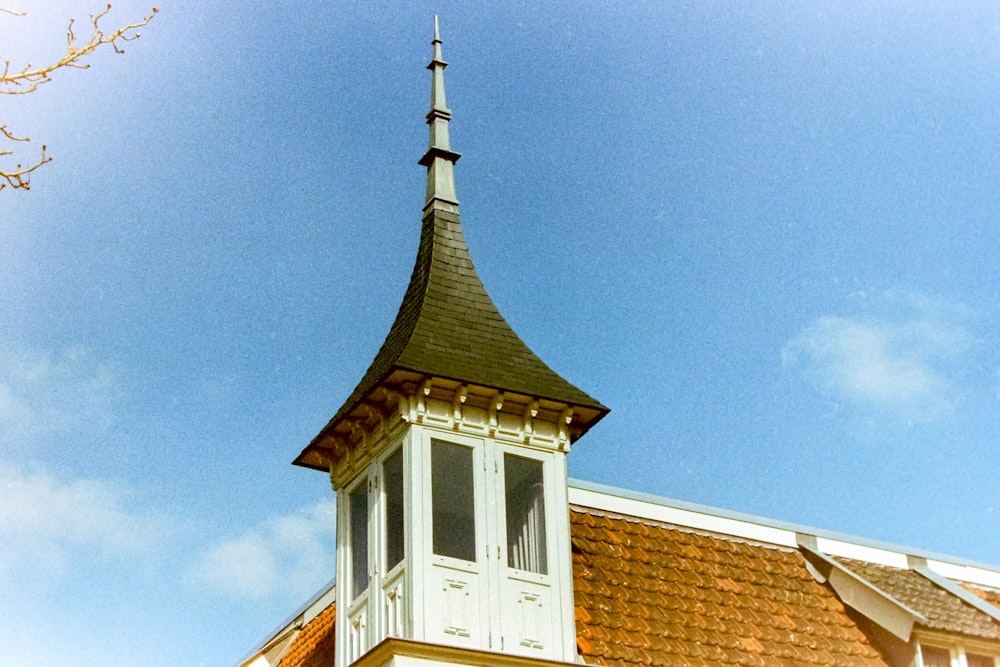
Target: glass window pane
{"x": 452, "y": 501}
{"x": 358, "y": 505}
{"x": 935, "y": 657}
{"x": 393, "y": 472}
{"x": 976, "y": 660}
{"x": 524, "y": 494}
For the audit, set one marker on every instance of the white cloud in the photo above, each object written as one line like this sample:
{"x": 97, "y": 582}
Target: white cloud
{"x": 293, "y": 553}
{"x": 901, "y": 363}
{"x": 42, "y": 394}
{"x": 45, "y": 520}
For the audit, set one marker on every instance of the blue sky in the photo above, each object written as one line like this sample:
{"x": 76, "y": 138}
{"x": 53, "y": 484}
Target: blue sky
{"x": 765, "y": 234}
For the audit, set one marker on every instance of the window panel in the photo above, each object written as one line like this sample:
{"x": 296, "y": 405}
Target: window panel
{"x": 452, "y": 501}
{"x": 394, "y": 535}
{"x": 524, "y": 494}
{"x": 358, "y": 506}
{"x": 934, "y": 656}
{"x": 977, "y": 660}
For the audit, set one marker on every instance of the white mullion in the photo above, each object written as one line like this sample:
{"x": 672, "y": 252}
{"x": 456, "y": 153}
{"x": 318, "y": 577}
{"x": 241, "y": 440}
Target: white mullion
{"x": 487, "y": 517}
{"x": 375, "y": 522}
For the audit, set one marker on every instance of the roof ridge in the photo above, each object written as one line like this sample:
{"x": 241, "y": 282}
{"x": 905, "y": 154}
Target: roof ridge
{"x": 666, "y": 524}
{"x": 778, "y": 531}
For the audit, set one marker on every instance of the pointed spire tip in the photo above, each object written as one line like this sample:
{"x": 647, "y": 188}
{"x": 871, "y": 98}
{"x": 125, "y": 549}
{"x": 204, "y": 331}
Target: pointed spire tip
{"x": 439, "y": 158}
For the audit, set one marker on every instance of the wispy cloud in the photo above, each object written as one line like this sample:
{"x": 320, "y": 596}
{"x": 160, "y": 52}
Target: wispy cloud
{"x": 46, "y": 520}
{"x": 293, "y": 553}
{"x": 900, "y": 361}
{"x": 44, "y": 394}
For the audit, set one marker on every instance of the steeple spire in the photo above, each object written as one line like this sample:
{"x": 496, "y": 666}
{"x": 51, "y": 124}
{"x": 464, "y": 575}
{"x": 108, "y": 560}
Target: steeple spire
{"x": 439, "y": 158}
{"x": 448, "y": 332}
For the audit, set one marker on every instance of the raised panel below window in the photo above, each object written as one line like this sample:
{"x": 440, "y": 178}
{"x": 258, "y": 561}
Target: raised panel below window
{"x": 395, "y": 617}
{"x": 455, "y": 598}
{"x": 533, "y": 625}
{"x": 358, "y": 640}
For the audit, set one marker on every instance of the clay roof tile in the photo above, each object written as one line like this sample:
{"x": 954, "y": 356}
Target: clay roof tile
{"x": 699, "y": 599}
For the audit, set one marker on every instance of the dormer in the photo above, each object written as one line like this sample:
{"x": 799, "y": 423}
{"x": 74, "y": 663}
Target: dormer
{"x": 449, "y": 461}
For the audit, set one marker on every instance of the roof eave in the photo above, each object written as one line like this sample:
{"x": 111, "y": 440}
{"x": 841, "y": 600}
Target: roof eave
{"x": 321, "y": 453}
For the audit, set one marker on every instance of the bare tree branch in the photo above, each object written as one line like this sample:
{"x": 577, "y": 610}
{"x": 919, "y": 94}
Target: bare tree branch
{"x": 27, "y": 80}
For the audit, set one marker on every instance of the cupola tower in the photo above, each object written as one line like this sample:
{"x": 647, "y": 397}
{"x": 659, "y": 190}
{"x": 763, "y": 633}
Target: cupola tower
{"x": 448, "y": 460}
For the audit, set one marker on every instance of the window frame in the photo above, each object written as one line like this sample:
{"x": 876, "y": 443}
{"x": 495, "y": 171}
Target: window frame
{"x": 505, "y": 529}
{"x": 475, "y": 450}
{"x": 958, "y": 651}
{"x": 389, "y": 572}
{"x": 363, "y": 482}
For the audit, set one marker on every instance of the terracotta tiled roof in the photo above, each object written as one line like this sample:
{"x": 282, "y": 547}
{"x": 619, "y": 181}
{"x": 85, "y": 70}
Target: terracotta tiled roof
{"x": 942, "y": 610}
{"x": 314, "y": 647}
{"x": 652, "y": 594}
{"x": 993, "y": 597}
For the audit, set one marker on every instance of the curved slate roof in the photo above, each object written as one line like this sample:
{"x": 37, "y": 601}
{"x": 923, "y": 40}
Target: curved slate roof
{"x": 447, "y": 326}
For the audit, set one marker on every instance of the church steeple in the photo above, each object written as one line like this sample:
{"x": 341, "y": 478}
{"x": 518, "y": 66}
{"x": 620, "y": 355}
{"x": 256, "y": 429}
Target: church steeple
{"x": 448, "y": 460}
{"x": 448, "y": 332}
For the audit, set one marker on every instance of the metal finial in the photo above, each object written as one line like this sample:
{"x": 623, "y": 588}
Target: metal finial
{"x": 439, "y": 158}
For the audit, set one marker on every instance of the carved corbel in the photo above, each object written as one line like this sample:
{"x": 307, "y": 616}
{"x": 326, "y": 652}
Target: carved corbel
{"x": 565, "y": 419}
{"x": 359, "y": 440}
{"x": 357, "y": 431}
{"x": 339, "y": 449}
{"x": 402, "y": 405}
{"x": 496, "y": 404}
{"x": 458, "y": 401}
{"x": 411, "y": 408}
{"x": 530, "y": 413}
{"x": 388, "y": 405}
{"x": 369, "y": 416}
{"x": 422, "y": 393}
